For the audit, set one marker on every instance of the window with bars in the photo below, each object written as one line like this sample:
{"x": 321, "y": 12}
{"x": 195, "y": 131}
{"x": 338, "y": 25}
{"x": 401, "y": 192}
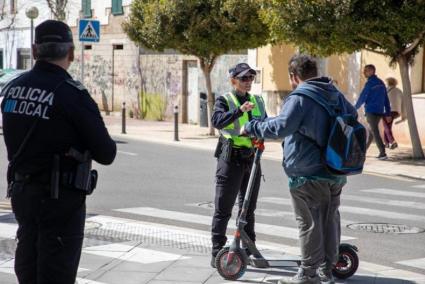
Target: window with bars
{"x": 24, "y": 58}
{"x": 86, "y": 7}
{"x": 1, "y": 59}
{"x": 13, "y": 4}
{"x": 117, "y": 7}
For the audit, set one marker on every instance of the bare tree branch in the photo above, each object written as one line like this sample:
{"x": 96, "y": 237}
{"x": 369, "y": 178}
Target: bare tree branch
{"x": 57, "y": 7}
{"x": 375, "y": 51}
{"x": 414, "y": 43}
{"x": 370, "y": 39}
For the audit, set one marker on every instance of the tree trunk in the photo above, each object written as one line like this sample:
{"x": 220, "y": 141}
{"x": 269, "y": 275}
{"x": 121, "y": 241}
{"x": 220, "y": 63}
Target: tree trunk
{"x": 206, "y": 69}
{"x": 410, "y": 113}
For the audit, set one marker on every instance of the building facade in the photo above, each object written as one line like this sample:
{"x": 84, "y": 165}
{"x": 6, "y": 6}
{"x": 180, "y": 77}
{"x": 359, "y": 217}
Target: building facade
{"x": 347, "y": 72}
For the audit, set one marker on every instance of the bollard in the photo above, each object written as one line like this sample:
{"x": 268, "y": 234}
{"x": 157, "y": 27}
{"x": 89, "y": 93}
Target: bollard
{"x": 176, "y": 123}
{"x": 123, "y": 119}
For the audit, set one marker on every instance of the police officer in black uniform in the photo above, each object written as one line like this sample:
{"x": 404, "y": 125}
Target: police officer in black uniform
{"x": 234, "y": 153}
{"x": 52, "y": 128}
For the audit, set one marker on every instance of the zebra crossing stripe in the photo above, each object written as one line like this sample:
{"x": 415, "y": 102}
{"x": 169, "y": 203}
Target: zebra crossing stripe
{"x": 133, "y": 254}
{"x": 357, "y": 210}
{"x": 419, "y": 186}
{"x": 380, "y": 213}
{"x": 390, "y": 272}
{"x": 8, "y": 231}
{"x": 268, "y": 212}
{"x": 7, "y": 267}
{"x": 272, "y": 230}
{"x": 87, "y": 281}
{"x": 418, "y": 263}
{"x": 398, "y": 203}
{"x": 387, "y": 191}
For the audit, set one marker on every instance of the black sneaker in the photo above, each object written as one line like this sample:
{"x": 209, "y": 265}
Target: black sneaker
{"x": 382, "y": 157}
{"x": 393, "y": 145}
{"x": 213, "y": 262}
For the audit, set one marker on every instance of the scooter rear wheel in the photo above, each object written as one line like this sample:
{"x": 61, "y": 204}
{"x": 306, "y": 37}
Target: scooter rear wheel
{"x": 233, "y": 270}
{"x": 347, "y": 264}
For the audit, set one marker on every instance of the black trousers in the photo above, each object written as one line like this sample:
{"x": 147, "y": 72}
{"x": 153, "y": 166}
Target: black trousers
{"x": 373, "y": 121}
{"x": 50, "y": 233}
{"x": 232, "y": 178}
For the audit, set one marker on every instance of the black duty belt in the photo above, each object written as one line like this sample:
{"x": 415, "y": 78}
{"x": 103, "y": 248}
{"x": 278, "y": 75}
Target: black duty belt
{"x": 242, "y": 153}
{"x": 66, "y": 178}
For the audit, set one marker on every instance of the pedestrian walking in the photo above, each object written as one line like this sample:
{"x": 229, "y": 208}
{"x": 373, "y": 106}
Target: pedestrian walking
{"x": 234, "y": 154}
{"x": 52, "y": 129}
{"x": 395, "y": 95}
{"x": 377, "y": 105}
{"x": 305, "y": 126}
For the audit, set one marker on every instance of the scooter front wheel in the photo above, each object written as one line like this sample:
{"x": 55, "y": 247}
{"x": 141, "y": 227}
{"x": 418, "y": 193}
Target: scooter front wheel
{"x": 348, "y": 262}
{"x": 230, "y": 264}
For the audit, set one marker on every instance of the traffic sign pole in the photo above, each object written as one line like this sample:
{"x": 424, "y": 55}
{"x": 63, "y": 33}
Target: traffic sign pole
{"x": 82, "y": 63}
{"x": 89, "y": 31}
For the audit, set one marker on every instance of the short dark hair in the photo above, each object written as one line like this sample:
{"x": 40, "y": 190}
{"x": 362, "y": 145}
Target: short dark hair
{"x": 303, "y": 65}
{"x": 53, "y": 51}
{"x": 370, "y": 67}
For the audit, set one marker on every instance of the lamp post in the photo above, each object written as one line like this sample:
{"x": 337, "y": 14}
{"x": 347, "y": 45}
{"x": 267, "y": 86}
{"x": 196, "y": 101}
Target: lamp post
{"x": 32, "y": 13}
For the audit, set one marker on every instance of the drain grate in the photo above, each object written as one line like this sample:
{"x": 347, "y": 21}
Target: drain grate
{"x": 385, "y": 228}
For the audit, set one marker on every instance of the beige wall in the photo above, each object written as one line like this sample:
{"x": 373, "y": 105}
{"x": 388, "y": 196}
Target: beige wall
{"x": 274, "y": 62}
{"x": 346, "y": 69}
{"x": 336, "y": 69}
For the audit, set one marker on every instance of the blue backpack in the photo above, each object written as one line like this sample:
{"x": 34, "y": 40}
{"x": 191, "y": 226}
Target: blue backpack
{"x": 345, "y": 151}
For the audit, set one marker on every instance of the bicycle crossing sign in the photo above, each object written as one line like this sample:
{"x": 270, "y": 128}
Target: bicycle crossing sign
{"x": 89, "y": 30}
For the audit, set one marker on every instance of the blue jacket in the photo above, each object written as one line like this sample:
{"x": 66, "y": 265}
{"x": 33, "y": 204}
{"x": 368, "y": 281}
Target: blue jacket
{"x": 305, "y": 126}
{"x": 374, "y": 96}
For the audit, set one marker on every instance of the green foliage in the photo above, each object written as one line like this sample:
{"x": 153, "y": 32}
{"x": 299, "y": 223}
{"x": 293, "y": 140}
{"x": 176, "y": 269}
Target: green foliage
{"x": 152, "y": 106}
{"x": 323, "y": 27}
{"x": 204, "y": 28}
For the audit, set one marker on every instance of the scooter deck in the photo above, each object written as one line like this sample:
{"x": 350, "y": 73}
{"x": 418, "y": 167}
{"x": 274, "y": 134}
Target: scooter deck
{"x": 288, "y": 261}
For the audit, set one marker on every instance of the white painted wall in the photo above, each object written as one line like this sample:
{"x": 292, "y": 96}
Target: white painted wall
{"x": 20, "y": 36}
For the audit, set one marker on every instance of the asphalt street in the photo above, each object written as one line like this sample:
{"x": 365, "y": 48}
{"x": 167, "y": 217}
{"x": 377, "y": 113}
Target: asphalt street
{"x": 175, "y": 186}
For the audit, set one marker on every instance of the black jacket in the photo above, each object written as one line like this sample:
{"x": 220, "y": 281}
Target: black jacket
{"x": 67, "y": 117}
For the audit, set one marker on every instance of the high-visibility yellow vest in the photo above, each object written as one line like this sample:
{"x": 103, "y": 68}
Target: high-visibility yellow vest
{"x": 232, "y": 131}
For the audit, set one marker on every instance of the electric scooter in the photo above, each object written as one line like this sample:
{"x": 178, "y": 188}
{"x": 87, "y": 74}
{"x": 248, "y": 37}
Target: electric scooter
{"x": 231, "y": 262}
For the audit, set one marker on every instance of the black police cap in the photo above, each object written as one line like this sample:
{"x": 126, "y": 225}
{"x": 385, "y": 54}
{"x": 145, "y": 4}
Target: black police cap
{"x": 52, "y": 31}
{"x": 240, "y": 70}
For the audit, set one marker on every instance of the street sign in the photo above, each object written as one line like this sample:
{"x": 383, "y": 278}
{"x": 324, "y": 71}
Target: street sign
{"x": 89, "y": 30}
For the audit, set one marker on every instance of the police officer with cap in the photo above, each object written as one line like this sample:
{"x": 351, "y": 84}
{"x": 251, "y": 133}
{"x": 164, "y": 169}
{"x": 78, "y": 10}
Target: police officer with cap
{"x": 52, "y": 130}
{"x": 234, "y": 153}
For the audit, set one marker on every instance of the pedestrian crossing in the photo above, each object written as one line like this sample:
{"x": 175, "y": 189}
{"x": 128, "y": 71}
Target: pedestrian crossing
{"x": 5, "y": 206}
{"x": 129, "y": 244}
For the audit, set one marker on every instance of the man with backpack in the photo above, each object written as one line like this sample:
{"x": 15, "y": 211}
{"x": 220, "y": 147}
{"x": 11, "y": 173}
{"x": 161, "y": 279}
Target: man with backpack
{"x": 306, "y": 125}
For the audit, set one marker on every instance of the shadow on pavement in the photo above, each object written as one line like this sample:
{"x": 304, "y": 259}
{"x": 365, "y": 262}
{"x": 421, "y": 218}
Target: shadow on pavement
{"x": 363, "y": 279}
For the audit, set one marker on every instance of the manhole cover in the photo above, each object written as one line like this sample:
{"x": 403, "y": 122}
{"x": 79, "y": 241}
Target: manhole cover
{"x": 385, "y": 228}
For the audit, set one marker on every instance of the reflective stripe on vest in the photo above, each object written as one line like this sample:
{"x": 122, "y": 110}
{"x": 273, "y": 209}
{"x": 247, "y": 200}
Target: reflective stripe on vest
{"x": 232, "y": 131}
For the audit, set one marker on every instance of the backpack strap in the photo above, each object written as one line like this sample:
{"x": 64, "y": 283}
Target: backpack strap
{"x": 332, "y": 109}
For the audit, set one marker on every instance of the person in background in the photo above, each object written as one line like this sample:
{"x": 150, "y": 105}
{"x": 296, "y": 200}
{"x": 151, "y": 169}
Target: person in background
{"x": 377, "y": 105}
{"x": 395, "y": 95}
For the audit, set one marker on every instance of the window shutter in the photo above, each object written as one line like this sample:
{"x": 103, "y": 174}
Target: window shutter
{"x": 86, "y": 6}
{"x": 117, "y": 7}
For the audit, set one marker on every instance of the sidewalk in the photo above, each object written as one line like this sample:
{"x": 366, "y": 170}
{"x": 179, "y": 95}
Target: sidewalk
{"x": 399, "y": 163}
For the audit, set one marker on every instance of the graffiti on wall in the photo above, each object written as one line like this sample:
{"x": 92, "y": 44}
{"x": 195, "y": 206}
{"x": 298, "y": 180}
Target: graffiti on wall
{"x": 97, "y": 78}
{"x": 220, "y": 73}
{"x": 162, "y": 74}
